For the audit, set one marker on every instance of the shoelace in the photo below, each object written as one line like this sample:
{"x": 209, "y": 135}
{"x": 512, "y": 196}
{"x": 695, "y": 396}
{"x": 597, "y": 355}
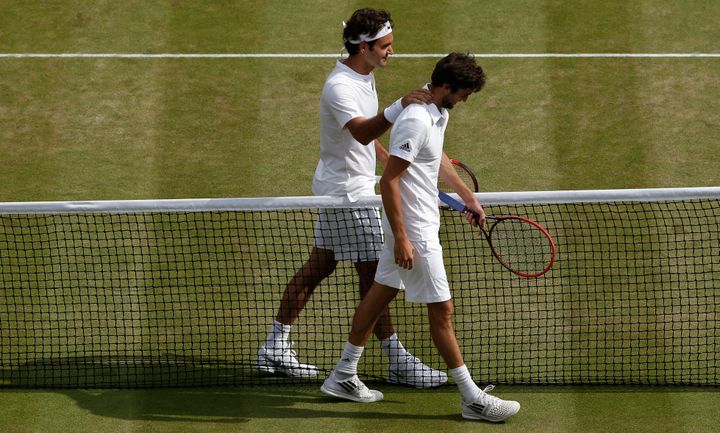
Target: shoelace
{"x": 287, "y": 347}
{"x": 490, "y": 398}
{"x": 290, "y": 348}
{"x": 410, "y": 359}
{"x": 485, "y": 394}
{"x": 361, "y": 389}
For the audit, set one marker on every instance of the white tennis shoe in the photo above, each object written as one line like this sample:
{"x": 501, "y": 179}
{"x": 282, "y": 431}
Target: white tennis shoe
{"x": 283, "y": 360}
{"x": 410, "y": 371}
{"x": 489, "y": 408}
{"x": 350, "y": 389}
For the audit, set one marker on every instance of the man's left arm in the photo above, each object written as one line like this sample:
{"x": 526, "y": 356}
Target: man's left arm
{"x": 381, "y": 153}
{"x": 450, "y": 177}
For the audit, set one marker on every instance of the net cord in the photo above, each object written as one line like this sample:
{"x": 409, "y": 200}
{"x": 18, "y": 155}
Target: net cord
{"x": 324, "y": 202}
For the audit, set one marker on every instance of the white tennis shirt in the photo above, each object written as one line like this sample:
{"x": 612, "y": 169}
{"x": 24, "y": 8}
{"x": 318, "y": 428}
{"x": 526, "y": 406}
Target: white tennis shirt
{"x": 418, "y": 136}
{"x": 346, "y": 167}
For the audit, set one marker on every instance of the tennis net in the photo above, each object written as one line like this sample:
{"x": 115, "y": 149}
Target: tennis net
{"x": 183, "y": 292}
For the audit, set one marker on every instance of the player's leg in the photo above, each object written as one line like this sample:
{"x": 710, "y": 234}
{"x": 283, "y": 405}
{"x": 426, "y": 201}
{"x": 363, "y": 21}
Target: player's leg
{"x": 368, "y": 238}
{"x": 366, "y": 274}
{"x": 443, "y": 333}
{"x": 403, "y": 367}
{"x": 343, "y": 381}
{"x": 476, "y": 404}
{"x": 301, "y": 286}
{"x": 277, "y": 354}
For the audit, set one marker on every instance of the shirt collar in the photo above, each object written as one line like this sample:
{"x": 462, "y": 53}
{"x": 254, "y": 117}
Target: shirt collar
{"x": 439, "y": 117}
{"x": 354, "y": 73}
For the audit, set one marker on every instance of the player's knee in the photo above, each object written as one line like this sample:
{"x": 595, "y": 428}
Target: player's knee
{"x": 441, "y": 313}
{"x": 327, "y": 269}
{"x": 321, "y": 264}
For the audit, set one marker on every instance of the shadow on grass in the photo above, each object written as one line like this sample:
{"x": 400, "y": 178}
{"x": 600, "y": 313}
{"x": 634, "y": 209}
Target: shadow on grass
{"x": 302, "y": 402}
{"x": 189, "y": 389}
{"x": 280, "y": 401}
{"x": 240, "y": 405}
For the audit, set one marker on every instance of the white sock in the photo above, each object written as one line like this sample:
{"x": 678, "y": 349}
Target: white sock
{"x": 468, "y": 389}
{"x": 347, "y": 366}
{"x": 278, "y": 335}
{"x": 393, "y": 349}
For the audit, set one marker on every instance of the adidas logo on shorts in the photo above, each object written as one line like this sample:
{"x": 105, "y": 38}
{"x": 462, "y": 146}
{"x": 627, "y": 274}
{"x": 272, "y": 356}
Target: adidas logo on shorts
{"x": 405, "y": 147}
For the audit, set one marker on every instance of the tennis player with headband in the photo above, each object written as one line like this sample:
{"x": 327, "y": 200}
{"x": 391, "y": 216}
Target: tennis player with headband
{"x": 349, "y": 127}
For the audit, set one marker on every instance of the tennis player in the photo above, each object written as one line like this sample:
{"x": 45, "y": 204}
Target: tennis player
{"x": 349, "y": 126}
{"x": 411, "y": 258}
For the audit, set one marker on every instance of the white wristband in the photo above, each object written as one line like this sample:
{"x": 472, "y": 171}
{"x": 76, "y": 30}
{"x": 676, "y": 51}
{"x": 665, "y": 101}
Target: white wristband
{"x": 392, "y": 112}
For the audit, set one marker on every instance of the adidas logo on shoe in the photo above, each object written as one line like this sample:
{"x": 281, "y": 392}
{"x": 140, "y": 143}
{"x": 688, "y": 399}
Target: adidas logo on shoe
{"x": 489, "y": 408}
{"x": 350, "y": 389}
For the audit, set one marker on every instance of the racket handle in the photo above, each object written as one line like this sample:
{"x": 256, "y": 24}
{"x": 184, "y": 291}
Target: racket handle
{"x": 475, "y": 216}
{"x": 456, "y": 205}
{"x": 448, "y": 200}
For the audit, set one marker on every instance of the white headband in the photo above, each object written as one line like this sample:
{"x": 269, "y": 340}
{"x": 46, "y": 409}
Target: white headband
{"x": 385, "y": 30}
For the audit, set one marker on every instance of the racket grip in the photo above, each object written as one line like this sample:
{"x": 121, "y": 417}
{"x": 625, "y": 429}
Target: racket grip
{"x": 476, "y": 216}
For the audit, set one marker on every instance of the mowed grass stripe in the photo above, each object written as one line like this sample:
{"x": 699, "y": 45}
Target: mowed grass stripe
{"x": 141, "y": 129}
{"x": 342, "y": 55}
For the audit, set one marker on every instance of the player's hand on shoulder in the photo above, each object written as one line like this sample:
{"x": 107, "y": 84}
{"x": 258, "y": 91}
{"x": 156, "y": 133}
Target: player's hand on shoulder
{"x": 417, "y": 96}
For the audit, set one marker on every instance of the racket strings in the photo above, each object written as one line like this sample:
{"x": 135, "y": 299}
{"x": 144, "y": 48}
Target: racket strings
{"x": 521, "y": 246}
{"x": 467, "y": 177}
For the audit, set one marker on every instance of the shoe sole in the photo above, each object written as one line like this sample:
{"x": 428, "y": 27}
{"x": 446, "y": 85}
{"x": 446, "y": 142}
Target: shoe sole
{"x": 479, "y": 418}
{"x": 265, "y": 369}
{"x": 346, "y": 396}
{"x": 268, "y": 368}
{"x": 396, "y": 380}
{"x": 476, "y": 417}
{"x": 264, "y": 366}
{"x": 303, "y": 373}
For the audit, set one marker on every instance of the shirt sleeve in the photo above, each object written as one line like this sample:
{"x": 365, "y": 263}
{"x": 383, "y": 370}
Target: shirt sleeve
{"x": 407, "y": 138}
{"x": 343, "y": 104}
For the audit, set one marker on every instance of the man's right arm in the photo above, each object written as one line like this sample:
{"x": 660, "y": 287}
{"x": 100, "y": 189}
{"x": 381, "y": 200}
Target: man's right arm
{"x": 365, "y": 130}
{"x": 390, "y": 190}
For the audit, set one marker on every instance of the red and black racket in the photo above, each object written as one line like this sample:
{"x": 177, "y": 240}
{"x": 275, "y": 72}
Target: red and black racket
{"x": 521, "y": 245}
{"x": 465, "y": 174}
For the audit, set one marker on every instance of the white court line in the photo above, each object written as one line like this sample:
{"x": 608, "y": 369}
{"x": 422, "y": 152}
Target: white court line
{"x": 309, "y": 56}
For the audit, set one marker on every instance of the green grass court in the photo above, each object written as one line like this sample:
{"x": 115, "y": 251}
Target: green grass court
{"x": 145, "y": 128}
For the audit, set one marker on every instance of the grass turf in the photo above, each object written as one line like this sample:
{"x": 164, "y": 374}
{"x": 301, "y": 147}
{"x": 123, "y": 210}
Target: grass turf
{"x": 305, "y": 409}
{"x": 116, "y": 129}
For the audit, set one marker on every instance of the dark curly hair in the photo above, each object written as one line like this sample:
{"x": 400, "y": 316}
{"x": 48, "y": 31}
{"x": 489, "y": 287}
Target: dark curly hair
{"x": 460, "y": 71}
{"x": 366, "y": 20}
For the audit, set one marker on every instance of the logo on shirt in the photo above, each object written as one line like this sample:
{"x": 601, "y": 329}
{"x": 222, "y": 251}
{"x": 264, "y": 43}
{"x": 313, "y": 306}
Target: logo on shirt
{"x": 405, "y": 146}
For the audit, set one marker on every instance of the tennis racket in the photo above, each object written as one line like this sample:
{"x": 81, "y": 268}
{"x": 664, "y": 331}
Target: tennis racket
{"x": 521, "y": 245}
{"x": 465, "y": 174}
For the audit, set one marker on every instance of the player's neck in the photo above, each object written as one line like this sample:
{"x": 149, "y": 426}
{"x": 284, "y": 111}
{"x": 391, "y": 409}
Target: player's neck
{"x": 437, "y": 94}
{"x": 358, "y": 64}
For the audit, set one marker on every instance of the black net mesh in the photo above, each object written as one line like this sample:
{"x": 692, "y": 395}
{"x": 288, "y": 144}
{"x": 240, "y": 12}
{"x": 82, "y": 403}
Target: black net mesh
{"x": 187, "y": 298}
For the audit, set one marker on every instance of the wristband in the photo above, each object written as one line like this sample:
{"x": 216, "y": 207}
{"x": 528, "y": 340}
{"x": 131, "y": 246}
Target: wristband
{"x": 392, "y": 112}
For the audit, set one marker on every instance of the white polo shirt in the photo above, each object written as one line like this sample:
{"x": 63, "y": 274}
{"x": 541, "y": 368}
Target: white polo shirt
{"x": 418, "y": 137}
{"x": 346, "y": 167}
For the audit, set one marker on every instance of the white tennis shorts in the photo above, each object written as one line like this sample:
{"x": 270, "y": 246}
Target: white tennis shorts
{"x": 426, "y": 282}
{"x": 354, "y": 235}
